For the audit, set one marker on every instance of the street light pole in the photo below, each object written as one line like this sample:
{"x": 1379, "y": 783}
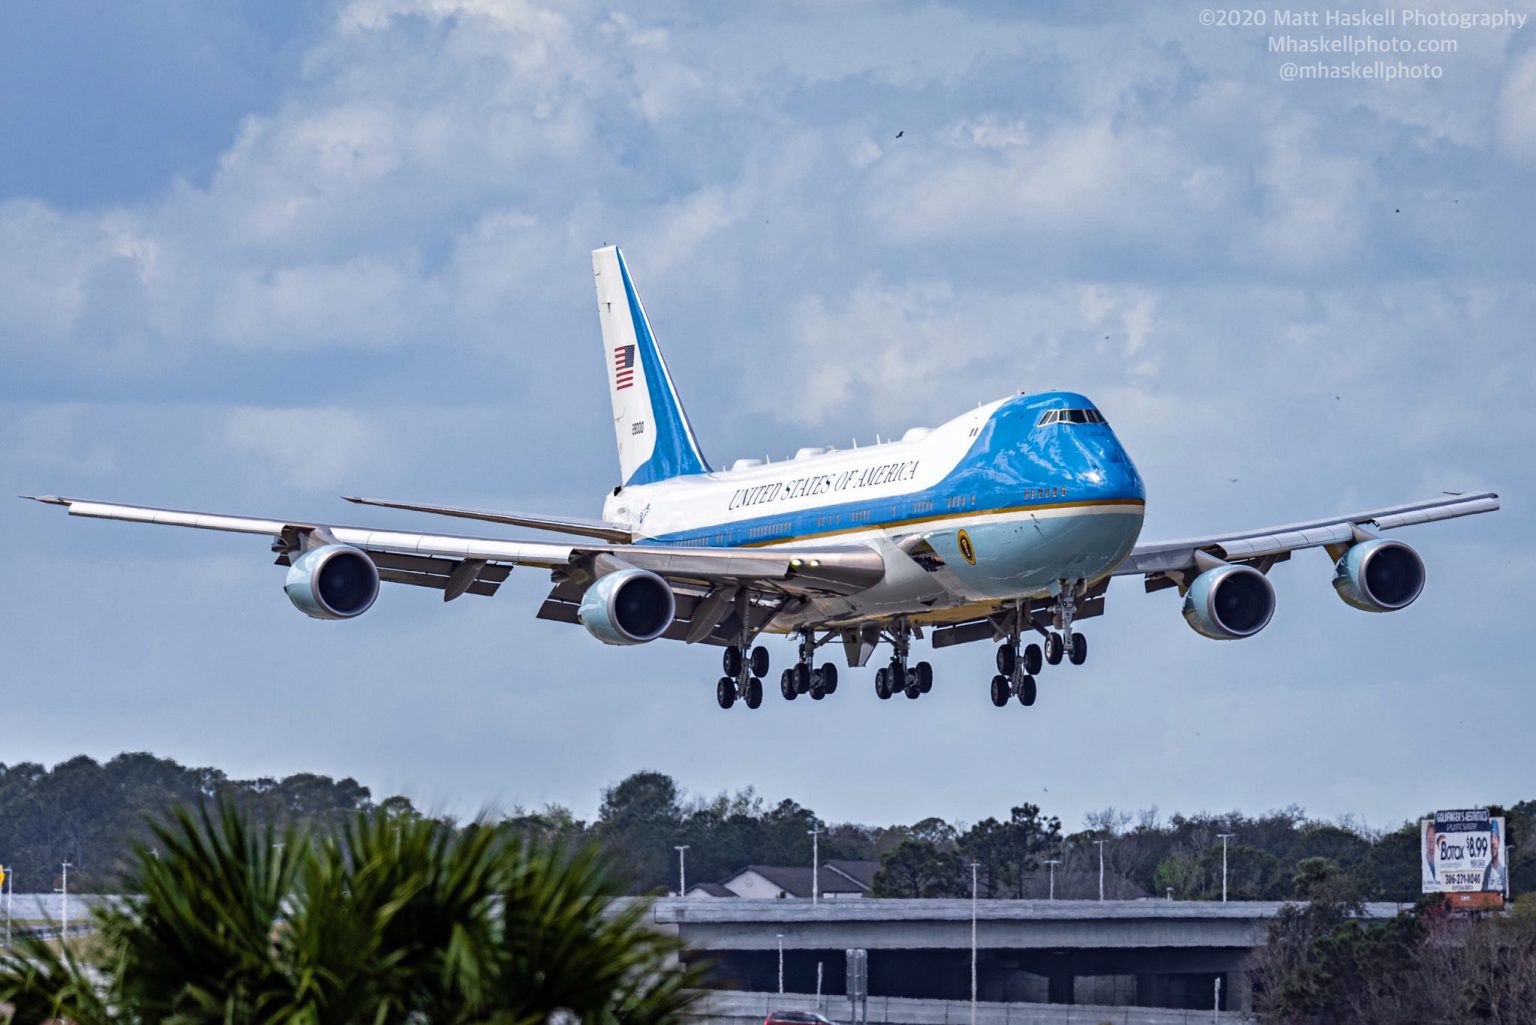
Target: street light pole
{"x": 815, "y": 832}
{"x": 781, "y": 962}
{"x": 682, "y": 871}
{"x": 1224, "y": 838}
{"x": 64, "y": 932}
{"x": 1053, "y": 863}
{"x": 1101, "y": 844}
{"x": 10, "y": 894}
{"x": 974, "y": 866}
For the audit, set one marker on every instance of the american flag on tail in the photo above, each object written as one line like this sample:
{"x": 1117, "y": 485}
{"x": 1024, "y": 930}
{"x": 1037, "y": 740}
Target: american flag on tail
{"x": 624, "y": 366}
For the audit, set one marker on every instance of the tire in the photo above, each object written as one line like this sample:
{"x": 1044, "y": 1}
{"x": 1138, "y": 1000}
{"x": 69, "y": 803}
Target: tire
{"x": 802, "y": 672}
{"x": 925, "y": 676}
{"x": 725, "y": 692}
{"x": 817, "y": 692}
{"x": 1027, "y": 691}
{"x": 759, "y": 661}
{"x": 913, "y": 688}
{"x": 754, "y": 692}
{"x": 1005, "y": 659}
{"x": 882, "y": 685}
{"x": 730, "y": 662}
{"x": 1034, "y": 659}
{"x": 829, "y": 678}
{"x": 1079, "y": 653}
{"x": 1054, "y": 648}
{"x": 1000, "y": 693}
{"x": 787, "y": 685}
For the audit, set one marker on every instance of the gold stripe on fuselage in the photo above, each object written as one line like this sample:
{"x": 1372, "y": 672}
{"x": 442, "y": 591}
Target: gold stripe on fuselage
{"x": 863, "y": 528}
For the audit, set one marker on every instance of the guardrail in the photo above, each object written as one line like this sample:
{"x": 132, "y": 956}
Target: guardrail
{"x": 722, "y": 1007}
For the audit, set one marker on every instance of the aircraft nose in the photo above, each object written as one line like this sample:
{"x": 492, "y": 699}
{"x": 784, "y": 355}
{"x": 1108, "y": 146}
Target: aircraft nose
{"x": 1107, "y": 471}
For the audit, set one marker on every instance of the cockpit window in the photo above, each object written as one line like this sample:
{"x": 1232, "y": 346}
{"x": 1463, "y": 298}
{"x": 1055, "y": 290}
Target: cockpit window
{"x": 1070, "y": 416}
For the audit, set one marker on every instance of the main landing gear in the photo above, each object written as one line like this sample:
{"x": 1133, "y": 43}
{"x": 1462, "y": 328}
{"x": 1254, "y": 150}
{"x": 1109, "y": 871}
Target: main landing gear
{"x": 1018, "y": 663}
{"x": 803, "y": 678}
{"x": 743, "y": 679}
{"x": 898, "y": 677}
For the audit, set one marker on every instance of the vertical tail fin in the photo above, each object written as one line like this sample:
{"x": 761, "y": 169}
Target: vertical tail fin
{"x": 655, "y": 439}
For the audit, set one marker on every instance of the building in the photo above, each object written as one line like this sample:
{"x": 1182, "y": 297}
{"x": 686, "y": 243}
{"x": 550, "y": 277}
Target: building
{"x": 837, "y": 880}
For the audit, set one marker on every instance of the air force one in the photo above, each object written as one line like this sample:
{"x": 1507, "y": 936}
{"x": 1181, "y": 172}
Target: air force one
{"x": 1006, "y": 523}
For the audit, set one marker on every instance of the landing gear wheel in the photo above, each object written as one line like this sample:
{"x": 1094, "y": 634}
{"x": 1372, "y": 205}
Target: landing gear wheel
{"x": 1079, "y": 652}
{"x": 759, "y": 661}
{"x": 1000, "y": 692}
{"x": 829, "y": 678}
{"x": 818, "y": 688}
{"x": 730, "y": 662}
{"x": 802, "y": 673}
{"x": 1005, "y": 659}
{"x": 924, "y": 677}
{"x": 1027, "y": 691}
{"x": 725, "y": 692}
{"x": 754, "y": 692}
{"x": 1033, "y": 659}
{"x": 882, "y": 684}
{"x": 787, "y": 685}
{"x": 1054, "y": 648}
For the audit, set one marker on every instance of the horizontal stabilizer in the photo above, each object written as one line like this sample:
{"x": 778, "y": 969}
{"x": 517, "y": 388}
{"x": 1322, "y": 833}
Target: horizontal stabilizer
{"x": 603, "y": 529}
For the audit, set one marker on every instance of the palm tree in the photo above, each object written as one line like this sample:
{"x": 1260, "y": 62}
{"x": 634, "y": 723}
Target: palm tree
{"x": 394, "y": 921}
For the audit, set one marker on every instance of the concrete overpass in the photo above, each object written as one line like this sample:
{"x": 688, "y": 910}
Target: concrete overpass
{"x": 1147, "y": 953}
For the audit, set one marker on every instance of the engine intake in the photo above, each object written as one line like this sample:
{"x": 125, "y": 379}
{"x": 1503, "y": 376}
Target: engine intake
{"x": 332, "y": 582}
{"x": 1379, "y": 575}
{"x": 1227, "y": 603}
{"x": 627, "y": 606}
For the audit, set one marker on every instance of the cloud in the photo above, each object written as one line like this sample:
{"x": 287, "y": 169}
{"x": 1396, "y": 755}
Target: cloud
{"x": 305, "y": 449}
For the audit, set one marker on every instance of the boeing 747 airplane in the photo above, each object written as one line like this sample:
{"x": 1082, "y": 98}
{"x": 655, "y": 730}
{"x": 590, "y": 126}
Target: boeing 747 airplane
{"x": 1005, "y": 524}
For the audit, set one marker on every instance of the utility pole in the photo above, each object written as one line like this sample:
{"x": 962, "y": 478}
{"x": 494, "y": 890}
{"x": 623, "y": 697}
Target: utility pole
{"x": 1224, "y": 838}
{"x": 974, "y": 866}
{"x": 781, "y": 962}
{"x": 1101, "y": 844}
{"x": 1053, "y": 863}
{"x": 815, "y": 832}
{"x": 10, "y": 894}
{"x": 682, "y": 870}
{"x": 64, "y": 932}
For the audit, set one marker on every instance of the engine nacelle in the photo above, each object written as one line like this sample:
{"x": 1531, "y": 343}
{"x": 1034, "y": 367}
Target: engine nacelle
{"x": 627, "y": 606}
{"x": 1226, "y": 603}
{"x": 1379, "y": 575}
{"x": 332, "y": 582}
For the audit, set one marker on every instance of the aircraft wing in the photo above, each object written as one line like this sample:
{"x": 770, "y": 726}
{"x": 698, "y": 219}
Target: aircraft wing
{"x": 1275, "y": 544}
{"x": 475, "y": 565}
{"x": 601, "y": 529}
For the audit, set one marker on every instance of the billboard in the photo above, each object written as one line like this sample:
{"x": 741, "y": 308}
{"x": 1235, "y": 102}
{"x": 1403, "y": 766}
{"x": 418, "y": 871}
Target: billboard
{"x": 1462, "y": 851}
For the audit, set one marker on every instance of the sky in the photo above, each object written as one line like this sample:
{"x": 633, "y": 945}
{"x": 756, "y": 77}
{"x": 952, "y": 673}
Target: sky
{"x": 255, "y": 256}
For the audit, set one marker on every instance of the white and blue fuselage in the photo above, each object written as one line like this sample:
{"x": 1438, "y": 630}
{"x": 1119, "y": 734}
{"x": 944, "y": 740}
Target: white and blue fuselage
{"x": 1000, "y": 503}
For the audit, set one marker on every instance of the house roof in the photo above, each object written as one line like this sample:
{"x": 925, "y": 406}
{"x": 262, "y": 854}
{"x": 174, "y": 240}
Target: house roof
{"x": 861, "y": 872}
{"x": 711, "y": 890}
{"x": 795, "y": 880}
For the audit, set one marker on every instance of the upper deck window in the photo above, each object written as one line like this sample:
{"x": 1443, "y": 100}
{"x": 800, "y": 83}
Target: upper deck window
{"x": 1070, "y": 416}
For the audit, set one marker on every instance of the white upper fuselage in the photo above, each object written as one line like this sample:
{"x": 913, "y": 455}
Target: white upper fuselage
{"x": 1031, "y": 504}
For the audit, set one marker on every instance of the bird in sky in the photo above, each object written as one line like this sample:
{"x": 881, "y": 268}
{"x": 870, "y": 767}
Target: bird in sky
{"x": 901, "y": 133}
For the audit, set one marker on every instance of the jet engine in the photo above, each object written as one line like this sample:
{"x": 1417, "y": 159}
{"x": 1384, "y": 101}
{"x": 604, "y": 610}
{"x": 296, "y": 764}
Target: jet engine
{"x": 627, "y": 606}
{"x": 1379, "y": 575}
{"x": 332, "y": 582}
{"x": 1228, "y": 602}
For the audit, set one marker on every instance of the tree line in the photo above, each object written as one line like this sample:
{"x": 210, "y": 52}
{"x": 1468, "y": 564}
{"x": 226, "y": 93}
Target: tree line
{"x": 92, "y": 814}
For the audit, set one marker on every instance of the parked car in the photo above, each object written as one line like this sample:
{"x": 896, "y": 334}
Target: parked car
{"x": 797, "y": 1018}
